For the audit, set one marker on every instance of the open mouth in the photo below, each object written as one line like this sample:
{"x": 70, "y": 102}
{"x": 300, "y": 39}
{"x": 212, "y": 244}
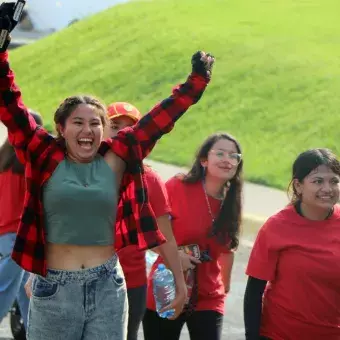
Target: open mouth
{"x": 224, "y": 168}
{"x": 85, "y": 143}
{"x": 326, "y": 198}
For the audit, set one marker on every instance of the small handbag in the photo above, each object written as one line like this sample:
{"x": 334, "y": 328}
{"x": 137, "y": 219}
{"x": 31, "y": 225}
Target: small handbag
{"x": 190, "y": 275}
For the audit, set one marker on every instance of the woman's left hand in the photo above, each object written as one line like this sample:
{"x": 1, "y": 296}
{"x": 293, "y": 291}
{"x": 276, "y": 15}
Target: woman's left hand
{"x": 178, "y": 303}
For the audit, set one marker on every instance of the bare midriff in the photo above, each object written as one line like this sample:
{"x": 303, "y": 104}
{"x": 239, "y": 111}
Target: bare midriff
{"x": 74, "y": 257}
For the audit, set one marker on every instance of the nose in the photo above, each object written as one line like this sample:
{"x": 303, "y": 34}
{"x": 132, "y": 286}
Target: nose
{"x": 87, "y": 128}
{"x": 327, "y": 187}
{"x": 226, "y": 162}
{"x": 229, "y": 162}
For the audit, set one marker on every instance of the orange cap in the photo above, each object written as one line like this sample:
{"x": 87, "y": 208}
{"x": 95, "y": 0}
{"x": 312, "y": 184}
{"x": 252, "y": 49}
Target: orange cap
{"x": 120, "y": 109}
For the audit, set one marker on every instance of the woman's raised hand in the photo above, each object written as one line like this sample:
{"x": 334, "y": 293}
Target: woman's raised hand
{"x": 202, "y": 63}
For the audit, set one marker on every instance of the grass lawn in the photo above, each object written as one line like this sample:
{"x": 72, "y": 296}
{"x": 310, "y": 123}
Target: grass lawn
{"x": 275, "y": 86}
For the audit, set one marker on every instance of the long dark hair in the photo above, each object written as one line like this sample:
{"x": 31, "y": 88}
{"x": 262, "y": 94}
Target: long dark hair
{"x": 227, "y": 224}
{"x": 8, "y": 158}
{"x": 305, "y": 163}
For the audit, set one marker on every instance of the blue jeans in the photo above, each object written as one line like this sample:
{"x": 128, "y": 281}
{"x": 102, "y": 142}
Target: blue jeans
{"x": 89, "y": 304}
{"x": 12, "y": 279}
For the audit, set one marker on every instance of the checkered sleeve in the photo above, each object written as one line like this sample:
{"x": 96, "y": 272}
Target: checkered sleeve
{"x": 14, "y": 115}
{"x": 159, "y": 120}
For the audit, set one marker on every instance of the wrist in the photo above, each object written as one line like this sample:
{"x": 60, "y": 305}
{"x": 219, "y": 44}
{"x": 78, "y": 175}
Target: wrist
{"x": 204, "y": 78}
{"x": 181, "y": 285}
{"x": 3, "y": 55}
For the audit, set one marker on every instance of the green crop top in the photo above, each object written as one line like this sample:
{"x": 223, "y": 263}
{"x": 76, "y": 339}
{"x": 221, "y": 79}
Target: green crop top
{"x": 80, "y": 203}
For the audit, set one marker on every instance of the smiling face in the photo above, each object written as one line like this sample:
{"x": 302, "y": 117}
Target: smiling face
{"x": 83, "y": 133}
{"x": 222, "y": 161}
{"x": 319, "y": 190}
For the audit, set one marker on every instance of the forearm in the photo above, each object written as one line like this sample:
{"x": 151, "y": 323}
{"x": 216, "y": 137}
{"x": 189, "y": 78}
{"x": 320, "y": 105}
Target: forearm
{"x": 13, "y": 114}
{"x": 226, "y": 262}
{"x": 168, "y": 251}
{"x": 135, "y": 143}
{"x": 6, "y": 75}
{"x": 252, "y": 307}
{"x": 159, "y": 120}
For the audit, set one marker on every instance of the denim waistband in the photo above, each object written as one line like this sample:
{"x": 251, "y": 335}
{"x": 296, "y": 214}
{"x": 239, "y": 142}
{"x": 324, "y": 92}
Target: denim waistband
{"x": 63, "y": 276}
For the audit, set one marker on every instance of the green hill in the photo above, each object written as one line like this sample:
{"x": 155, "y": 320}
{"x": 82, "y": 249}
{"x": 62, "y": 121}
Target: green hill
{"x": 275, "y": 86}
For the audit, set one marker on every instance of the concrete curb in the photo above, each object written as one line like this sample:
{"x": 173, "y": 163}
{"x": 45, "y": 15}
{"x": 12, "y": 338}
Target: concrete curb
{"x": 249, "y": 229}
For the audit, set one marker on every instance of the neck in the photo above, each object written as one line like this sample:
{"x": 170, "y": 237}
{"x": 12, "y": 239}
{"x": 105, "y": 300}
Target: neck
{"x": 313, "y": 213}
{"x": 214, "y": 187}
{"x": 76, "y": 160}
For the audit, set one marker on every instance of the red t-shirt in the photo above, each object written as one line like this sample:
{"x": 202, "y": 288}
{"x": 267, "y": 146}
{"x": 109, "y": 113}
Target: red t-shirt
{"x": 132, "y": 259}
{"x": 191, "y": 222}
{"x": 12, "y": 193}
{"x": 301, "y": 260}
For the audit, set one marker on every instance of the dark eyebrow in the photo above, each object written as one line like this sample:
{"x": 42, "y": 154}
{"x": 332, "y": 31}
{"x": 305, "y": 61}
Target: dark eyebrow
{"x": 227, "y": 150}
{"x": 318, "y": 177}
{"x": 80, "y": 118}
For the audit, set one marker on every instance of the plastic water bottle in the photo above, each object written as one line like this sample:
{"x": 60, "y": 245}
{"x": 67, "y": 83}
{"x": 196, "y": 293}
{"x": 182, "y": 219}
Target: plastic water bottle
{"x": 150, "y": 258}
{"x": 163, "y": 290}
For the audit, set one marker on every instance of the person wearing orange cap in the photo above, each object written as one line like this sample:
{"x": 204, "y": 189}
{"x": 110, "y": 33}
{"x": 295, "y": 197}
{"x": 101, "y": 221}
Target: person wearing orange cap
{"x": 121, "y": 115}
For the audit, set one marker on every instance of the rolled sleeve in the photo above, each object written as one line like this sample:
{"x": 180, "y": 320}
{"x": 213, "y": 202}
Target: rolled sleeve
{"x": 158, "y": 196}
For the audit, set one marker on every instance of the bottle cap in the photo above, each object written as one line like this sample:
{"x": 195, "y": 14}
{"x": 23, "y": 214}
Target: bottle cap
{"x": 161, "y": 266}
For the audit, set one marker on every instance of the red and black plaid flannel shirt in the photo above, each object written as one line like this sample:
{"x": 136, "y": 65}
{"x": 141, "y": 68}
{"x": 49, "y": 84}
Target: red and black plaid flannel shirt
{"x": 41, "y": 153}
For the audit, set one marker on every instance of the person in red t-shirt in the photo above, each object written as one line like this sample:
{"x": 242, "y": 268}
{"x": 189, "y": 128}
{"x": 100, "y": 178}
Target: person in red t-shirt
{"x": 121, "y": 115}
{"x": 293, "y": 289}
{"x": 12, "y": 192}
{"x": 206, "y": 211}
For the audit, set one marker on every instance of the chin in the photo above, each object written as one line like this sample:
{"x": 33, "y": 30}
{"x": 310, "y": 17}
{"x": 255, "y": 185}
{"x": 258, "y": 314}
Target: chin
{"x": 226, "y": 178}
{"x": 221, "y": 175}
{"x": 326, "y": 205}
{"x": 86, "y": 157}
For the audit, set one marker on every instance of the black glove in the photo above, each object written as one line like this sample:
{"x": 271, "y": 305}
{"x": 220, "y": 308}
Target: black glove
{"x": 10, "y": 13}
{"x": 202, "y": 63}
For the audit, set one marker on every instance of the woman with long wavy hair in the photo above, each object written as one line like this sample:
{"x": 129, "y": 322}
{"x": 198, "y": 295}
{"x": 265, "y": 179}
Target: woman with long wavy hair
{"x": 206, "y": 215}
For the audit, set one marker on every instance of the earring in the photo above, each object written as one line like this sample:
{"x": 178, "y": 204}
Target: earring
{"x": 204, "y": 170}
